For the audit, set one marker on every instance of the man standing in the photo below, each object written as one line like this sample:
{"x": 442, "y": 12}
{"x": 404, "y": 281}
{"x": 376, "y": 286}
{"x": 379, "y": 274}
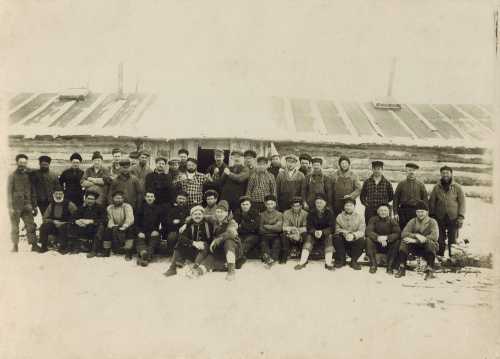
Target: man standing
{"x": 141, "y": 169}
{"x": 160, "y": 183}
{"x": 345, "y": 184}
{"x": 250, "y": 156}
{"x": 376, "y": 190}
{"x": 120, "y": 230}
{"x": 193, "y": 183}
{"x": 173, "y": 171}
{"x": 114, "y": 169}
{"x": 275, "y": 166}
{"x": 419, "y": 237}
{"x": 45, "y": 181}
{"x": 270, "y": 229}
{"x": 447, "y": 206}
{"x": 127, "y": 184}
{"x": 305, "y": 164}
{"x": 211, "y": 199}
{"x": 349, "y": 236}
{"x": 89, "y": 223}
{"x": 248, "y": 219}
{"x": 320, "y": 226}
{"x": 71, "y": 179}
{"x": 316, "y": 182}
{"x": 96, "y": 178}
{"x": 290, "y": 183}
{"x": 382, "y": 235}
{"x": 408, "y": 192}
{"x": 294, "y": 228}
{"x": 215, "y": 171}
{"x": 260, "y": 184}
{"x": 21, "y": 199}
{"x": 147, "y": 224}
{"x": 234, "y": 181}
{"x": 183, "y": 157}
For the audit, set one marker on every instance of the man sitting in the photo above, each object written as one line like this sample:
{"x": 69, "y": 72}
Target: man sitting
{"x": 89, "y": 222}
{"x": 349, "y": 235}
{"x": 294, "y": 227}
{"x": 382, "y": 235}
{"x": 320, "y": 226}
{"x": 120, "y": 229}
{"x": 176, "y": 216}
{"x": 270, "y": 228}
{"x": 248, "y": 219}
{"x": 57, "y": 220}
{"x": 420, "y": 237}
{"x": 194, "y": 241}
{"x": 147, "y": 223}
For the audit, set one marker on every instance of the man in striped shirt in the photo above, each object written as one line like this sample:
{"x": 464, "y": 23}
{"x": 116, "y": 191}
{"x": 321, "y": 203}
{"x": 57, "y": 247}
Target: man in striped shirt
{"x": 376, "y": 190}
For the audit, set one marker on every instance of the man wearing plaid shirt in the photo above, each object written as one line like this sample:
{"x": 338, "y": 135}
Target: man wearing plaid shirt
{"x": 193, "y": 183}
{"x": 376, "y": 190}
{"x": 260, "y": 184}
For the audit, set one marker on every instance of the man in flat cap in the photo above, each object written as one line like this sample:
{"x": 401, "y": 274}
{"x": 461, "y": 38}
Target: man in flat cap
{"x": 248, "y": 219}
{"x": 447, "y": 206}
{"x": 316, "y": 182}
{"x": 215, "y": 171}
{"x": 44, "y": 180}
{"x": 290, "y": 183}
{"x": 305, "y": 164}
{"x": 270, "y": 229}
{"x": 141, "y": 169}
{"x": 275, "y": 166}
{"x": 294, "y": 228}
{"x": 183, "y": 157}
{"x": 119, "y": 232}
{"x": 420, "y": 237}
{"x": 344, "y": 184}
{"x": 193, "y": 184}
{"x": 128, "y": 184}
{"x": 407, "y": 193}
{"x": 147, "y": 224}
{"x": 96, "y": 178}
{"x": 260, "y": 184}
{"x": 88, "y": 225}
{"x": 234, "y": 179}
{"x": 71, "y": 179}
{"x": 383, "y": 236}
{"x": 375, "y": 190}
{"x": 160, "y": 183}
{"x": 114, "y": 168}
{"x": 21, "y": 201}
{"x": 250, "y": 157}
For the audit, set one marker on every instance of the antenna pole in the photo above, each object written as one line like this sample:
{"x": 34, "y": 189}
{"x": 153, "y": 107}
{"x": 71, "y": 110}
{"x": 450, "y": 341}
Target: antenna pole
{"x": 391, "y": 77}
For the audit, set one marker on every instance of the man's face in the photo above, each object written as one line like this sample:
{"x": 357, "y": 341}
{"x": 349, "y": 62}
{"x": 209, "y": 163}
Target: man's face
{"x": 249, "y": 161}
{"x": 117, "y": 157}
{"x": 421, "y": 214}
{"x": 290, "y": 164}
{"x": 125, "y": 169}
{"x": 410, "y": 172}
{"x": 149, "y": 197}
{"x": 174, "y": 166}
{"x": 383, "y": 212}
{"x": 344, "y": 165}
{"x": 220, "y": 214}
{"x": 117, "y": 199}
{"x": 211, "y": 201}
{"x": 377, "y": 171}
{"x": 262, "y": 166}
{"x": 75, "y": 164}
{"x": 237, "y": 160}
{"x": 197, "y": 216}
{"x": 219, "y": 158}
{"x": 22, "y": 163}
{"x": 304, "y": 163}
{"x": 296, "y": 207}
{"x": 349, "y": 207}
{"x": 58, "y": 196}
{"x": 320, "y": 204}
{"x": 181, "y": 200}
{"x": 160, "y": 165}
{"x": 316, "y": 166}
{"x": 245, "y": 206}
{"x": 270, "y": 204}
{"x": 275, "y": 161}
{"x": 446, "y": 175}
{"x": 97, "y": 162}
{"x": 183, "y": 157}
{"x": 143, "y": 159}
{"x": 44, "y": 165}
{"x": 90, "y": 200}
{"x": 191, "y": 167}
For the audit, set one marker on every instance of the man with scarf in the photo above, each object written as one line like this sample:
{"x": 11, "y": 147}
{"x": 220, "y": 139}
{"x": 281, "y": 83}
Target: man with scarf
{"x": 290, "y": 183}
{"x": 96, "y": 178}
{"x": 89, "y": 222}
{"x": 215, "y": 171}
{"x": 44, "y": 180}
{"x": 128, "y": 184}
{"x": 234, "y": 181}
{"x": 57, "y": 220}
{"x": 120, "y": 231}
{"x": 447, "y": 206}
{"x": 71, "y": 179}
{"x": 376, "y": 190}
{"x": 193, "y": 183}
{"x": 21, "y": 201}
{"x": 260, "y": 184}
{"x": 344, "y": 184}
{"x": 316, "y": 182}
{"x": 407, "y": 193}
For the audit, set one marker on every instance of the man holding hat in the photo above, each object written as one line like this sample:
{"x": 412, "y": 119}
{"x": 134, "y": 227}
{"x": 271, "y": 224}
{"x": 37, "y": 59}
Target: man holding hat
{"x": 71, "y": 179}
{"x": 294, "y": 227}
{"x": 344, "y": 184}
{"x": 305, "y": 163}
{"x": 96, "y": 178}
{"x": 88, "y": 225}
{"x": 275, "y": 166}
{"x": 420, "y": 237}
{"x": 21, "y": 201}
{"x": 215, "y": 171}
{"x": 193, "y": 183}
{"x": 270, "y": 229}
{"x": 234, "y": 179}
{"x": 408, "y": 192}
{"x": 44, "y": 181}
{"x": 141, "y": 169}
{"x": 320, "y": 227}
{"x": 260, "y": 184}
{"x": 248, "y": 219}
{"x": 383, "y": 236}
{"x": 447, "y": 206}
{"x": 316, "y": 182}
{"x": 375, "y": 190}
{"x": 147, "y": 223}
{"x": 250, "y": 156}
{"x": 290, "y": 183}
{"x": 128, "y": 184}
{"x": 349, "y": 235}
{"x": 120, "y": 231}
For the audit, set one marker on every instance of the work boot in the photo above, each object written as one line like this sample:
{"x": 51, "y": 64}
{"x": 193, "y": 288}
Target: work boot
{"x": 15, "y": 248}
{"x": 35, "y": 248}
{"x": 268, "y": 261}
{"x": 91, "y": 254}
{"x": 329, "y": 267}
{"x": 389, "y": 270}
{"x": 172, "y": 270}
{"x": 128, "y": 255}
{"x": 105, "y": 253}
{"x": 230, "y": 276}
{"x": 339, "y": 264}
{"x": 300, "y": 266}
{"x": 429, "y": 274}
{"x": 43, "y": 249}
{"x": 195, "y": 272}
{"x": 373, "y": 269}
{"x": 240, "y": 261}
{"x": 401, "y": 272}
{"x": 355, "y": 265}
{"x": 63, "y": 250}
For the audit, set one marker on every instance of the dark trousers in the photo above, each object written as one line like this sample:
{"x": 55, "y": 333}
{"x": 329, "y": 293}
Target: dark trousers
{"x": 426, "y": 250}
{"x": 91, "y": 233}
{"x": 182, "y": 253}
{"x": 249, "y": 242}
{"x": 286, "y": 243}
{"x": 343, "y": 247}
{"x": 270, "y": 245}
{"x": 146, "y": 246}
{"x": 43, "y": 205}
{"x": 448, "y": 229}
{"x": 373, "y": 247}
{"x": 60, "y": 233}
{"x": 369, "y": 213}
{"x": 26, "y": 215}
{"x": 405, "y": 215}
{"x": 115, "y": 238}
{"x": 172, "y": 239}
{"x": 216, "y": 261}
{"x": 310, "y": 241}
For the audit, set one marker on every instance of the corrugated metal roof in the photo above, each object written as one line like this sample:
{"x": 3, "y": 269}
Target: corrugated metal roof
{"x": 276, "y": 119}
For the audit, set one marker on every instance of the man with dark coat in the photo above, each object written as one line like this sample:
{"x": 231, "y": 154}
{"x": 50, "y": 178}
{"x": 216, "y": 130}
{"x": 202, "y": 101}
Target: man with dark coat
{"x": 114, "y": 169}
{"x": 250, "y": 158}
{"x": 71, "y": 179}
{"x": 248, "y": 219}
{"x": 290, "y": 183}
{"x": 383, "y": 236}
{"x": 275, "y": 166}
{"x": 44, "y": 181}
{"x": 160, "y": 183}
{"x": 270, "y": 229}
{"x": 147, "y": 225}
{"x": 89, "y": 221}
{"x": 408, "y": 192}
{"x": 376, "y": 190}
{"x": 234, "y": 181}
{"x": 128, "y": 184}
{"x": 176, "y": 217}
{"x": 21, "y": 201}
{"x": 344, "y": 184}
{"x": 447, "y": 206}
{"x": 173, "y": 171}
{"x": 96, "y": 178}
{"x": 183, "y": 157}
{"x": 141, "y": 169}
{"x": 316, "y": 182}
{"x": 215, "y": 171}
{"x": 305, "y": 163}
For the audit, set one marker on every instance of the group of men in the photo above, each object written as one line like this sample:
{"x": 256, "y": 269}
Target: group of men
{"x": 215, "y": 220}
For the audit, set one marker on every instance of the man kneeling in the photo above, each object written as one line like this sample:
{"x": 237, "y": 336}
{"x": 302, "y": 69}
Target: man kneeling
{"x": 147, "y": 224}
{"x": 349, "y": 235}
{"x": 382, "y": 235}
{"x": 420, "y": 237}
{"x": 120, "y": 229}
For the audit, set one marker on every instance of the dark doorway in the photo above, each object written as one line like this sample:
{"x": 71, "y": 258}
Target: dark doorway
{"x": 206, "y": 158}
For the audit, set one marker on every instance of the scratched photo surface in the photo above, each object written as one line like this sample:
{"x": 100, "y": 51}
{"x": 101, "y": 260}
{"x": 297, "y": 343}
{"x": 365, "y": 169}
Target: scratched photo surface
{"x": 247, "y": 89}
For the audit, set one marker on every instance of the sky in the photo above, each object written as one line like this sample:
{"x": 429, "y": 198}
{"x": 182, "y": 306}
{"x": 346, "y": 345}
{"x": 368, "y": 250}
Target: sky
{"x": 311, "y": 49}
